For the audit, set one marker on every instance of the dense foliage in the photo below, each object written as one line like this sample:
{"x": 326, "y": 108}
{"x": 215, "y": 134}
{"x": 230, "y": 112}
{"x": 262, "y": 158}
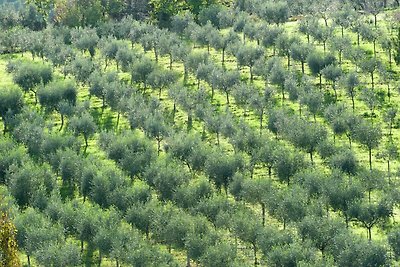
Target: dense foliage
{"x": 210, "y": 133}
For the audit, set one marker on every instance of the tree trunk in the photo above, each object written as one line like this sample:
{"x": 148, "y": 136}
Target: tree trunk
{"x": 251, "y": 73}
{"x": 369, "y": 196}
{"x": 174, "y": 111}
{"x": 185, "y": 75}
{"x": 223, "y": 57}
{"x": 156, "y": 54}
{"x": 100, "y": 258}
{"x": 369, "y": 234}
{"x": 374, "y": 43}
{"x": 302, "y": 67}
{"x": 263, "y": 213}
{"x": 189, "y": 121}
{"x": 5, "y": 126}
{"x": 311, "y": 158}
{"x": 352, "y": 102}
{"x": 106, "y": 64}
{"x": 158, "y": 146}
{"x": 255, "y": 254}
{"x": 370, "y": 158}
{"x": 334, "y": 90}
{"x": 299, "y": 108}
{"x": 187, "y": 260}
{"x": 170, "y": 62}
{"x": 261, "y": 122}
{"x": 372, "y": 80}
{"x": 36, "y": 99}
{"x": 118, "y": 115}
{"x": 29, "y": 260}
{"x": 320, "y": 81}
{"x": 62, "y": 122}
{"x": 227, "y": 98}
{"x": 86, "y": 142}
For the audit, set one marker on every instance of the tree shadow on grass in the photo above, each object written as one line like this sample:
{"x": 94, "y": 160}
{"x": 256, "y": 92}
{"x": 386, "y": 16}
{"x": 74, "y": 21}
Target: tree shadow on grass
{"x": 87, "y": 257}
{"x": 103, "y": 119}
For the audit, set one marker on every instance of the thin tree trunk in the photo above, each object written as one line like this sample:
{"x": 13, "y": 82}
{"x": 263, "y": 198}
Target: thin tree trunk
{"x": 36, "y": 99}
{"x": 370, "y": 158}
{"x": 372, "y": 80}
{"x": 86, "y": 142}
{"x": 374, "y": 43}
{"x": 187, "y": 260}
{"x": 223, "y": 57}
{"x": 62, "y": 122}
{"x": 255, "y": 254}
{"x": 320, "y": 81}
{"x": 369, "y": 234}
{"x": 156, "y": 54}
{"x": 263, "y": 213}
